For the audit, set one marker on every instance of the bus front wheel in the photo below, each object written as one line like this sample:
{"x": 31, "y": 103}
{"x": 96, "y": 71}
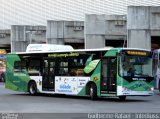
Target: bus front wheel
{"x": 93, "y": 92}
{"x": 32, "y": 88}
{"x": 122, "y": 98}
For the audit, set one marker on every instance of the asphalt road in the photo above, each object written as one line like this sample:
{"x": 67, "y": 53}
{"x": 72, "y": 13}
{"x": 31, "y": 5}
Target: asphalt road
{"x": 17, "y": 102}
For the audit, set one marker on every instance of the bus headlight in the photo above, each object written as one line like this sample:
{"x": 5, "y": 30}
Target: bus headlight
{"x": 152, "y": 89}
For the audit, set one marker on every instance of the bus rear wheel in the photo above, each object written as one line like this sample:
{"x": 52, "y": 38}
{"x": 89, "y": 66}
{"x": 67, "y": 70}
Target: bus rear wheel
{"x": 122, "y": 98}
{"x": 32, "y": 88}
{"x": 93, "y": 92}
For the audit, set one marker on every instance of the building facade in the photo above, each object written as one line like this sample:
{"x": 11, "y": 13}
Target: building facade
{"x": 80, "y": 23}
{"x": 37, "y": 12}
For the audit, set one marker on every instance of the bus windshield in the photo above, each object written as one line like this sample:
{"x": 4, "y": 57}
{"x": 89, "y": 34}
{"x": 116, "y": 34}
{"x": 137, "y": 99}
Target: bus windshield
{"x": 136, "y": 66}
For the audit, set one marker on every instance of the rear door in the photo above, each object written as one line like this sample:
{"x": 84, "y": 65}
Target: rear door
{"x": 49, "y": 68}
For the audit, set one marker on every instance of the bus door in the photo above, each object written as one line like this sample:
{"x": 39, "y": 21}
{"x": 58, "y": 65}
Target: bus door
{"x": 48, "y": 81}
{"x": 109, "y": 70}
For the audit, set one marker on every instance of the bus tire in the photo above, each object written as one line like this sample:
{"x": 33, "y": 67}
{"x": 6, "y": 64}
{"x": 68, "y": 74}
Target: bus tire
{"x": 93, "y": 92}
{"x": 32, "y": 88}
{"x": 122, "y": 98}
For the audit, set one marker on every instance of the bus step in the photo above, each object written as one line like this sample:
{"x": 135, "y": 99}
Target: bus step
{"x": 51, "y": 89}
{"x": 106, "y": 92}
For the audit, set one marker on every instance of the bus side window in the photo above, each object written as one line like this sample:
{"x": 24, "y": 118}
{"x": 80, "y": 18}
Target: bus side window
{"x": 63, "y": 71}
{"x": 80, "y": 72}
{"x": 20, "y": 66}
{"x": 17, "y": 69}
{"x": 72, "y": 72}
{"x": 77, "y": 72}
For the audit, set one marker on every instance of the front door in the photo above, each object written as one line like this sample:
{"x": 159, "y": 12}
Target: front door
{"x": 48, "y": 81}
{"x": 109, "y": 71}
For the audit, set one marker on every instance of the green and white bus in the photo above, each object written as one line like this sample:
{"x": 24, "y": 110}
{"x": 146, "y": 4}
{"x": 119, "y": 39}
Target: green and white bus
{"x": 85, "y": 72}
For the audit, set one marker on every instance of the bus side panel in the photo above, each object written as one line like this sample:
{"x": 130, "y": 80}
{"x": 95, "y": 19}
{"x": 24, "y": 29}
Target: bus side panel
{"x": 15, "y": 81}
{"x": 70, "y": 85}
{"x": 95, "y": 78}
{"x": 138, "y": 87}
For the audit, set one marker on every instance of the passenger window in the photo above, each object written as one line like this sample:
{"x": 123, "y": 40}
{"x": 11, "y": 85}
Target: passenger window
{"x": 20, "y": 66}
{"x": 34, "y": 67}
{"x": 63, "y": 68}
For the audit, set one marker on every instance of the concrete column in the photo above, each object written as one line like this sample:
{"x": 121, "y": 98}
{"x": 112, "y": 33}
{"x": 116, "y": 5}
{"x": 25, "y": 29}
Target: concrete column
{"x": 55, "y": 32}
{"x": 94, "y": 31}
{"x": 5, "y": 37}
{"x": 139, "y": 39}
{"x": 23, "y": 35}
{"x": 138, "y": 26}
{"x": 95, "y": 41}
{"x": 18, "y": 39}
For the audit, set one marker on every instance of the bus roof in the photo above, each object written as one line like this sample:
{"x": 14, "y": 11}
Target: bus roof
{"x": 79, "y": 50}
{"x": 47, "y": 47}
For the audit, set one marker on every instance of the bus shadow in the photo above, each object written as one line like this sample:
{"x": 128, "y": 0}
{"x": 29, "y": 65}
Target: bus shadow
{"x": 100, "y": 99}
{"x": 116, "y": 99}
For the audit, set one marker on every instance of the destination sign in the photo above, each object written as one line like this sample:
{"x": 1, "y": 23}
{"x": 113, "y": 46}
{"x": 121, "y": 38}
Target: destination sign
{"x": 138, "y": 53}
